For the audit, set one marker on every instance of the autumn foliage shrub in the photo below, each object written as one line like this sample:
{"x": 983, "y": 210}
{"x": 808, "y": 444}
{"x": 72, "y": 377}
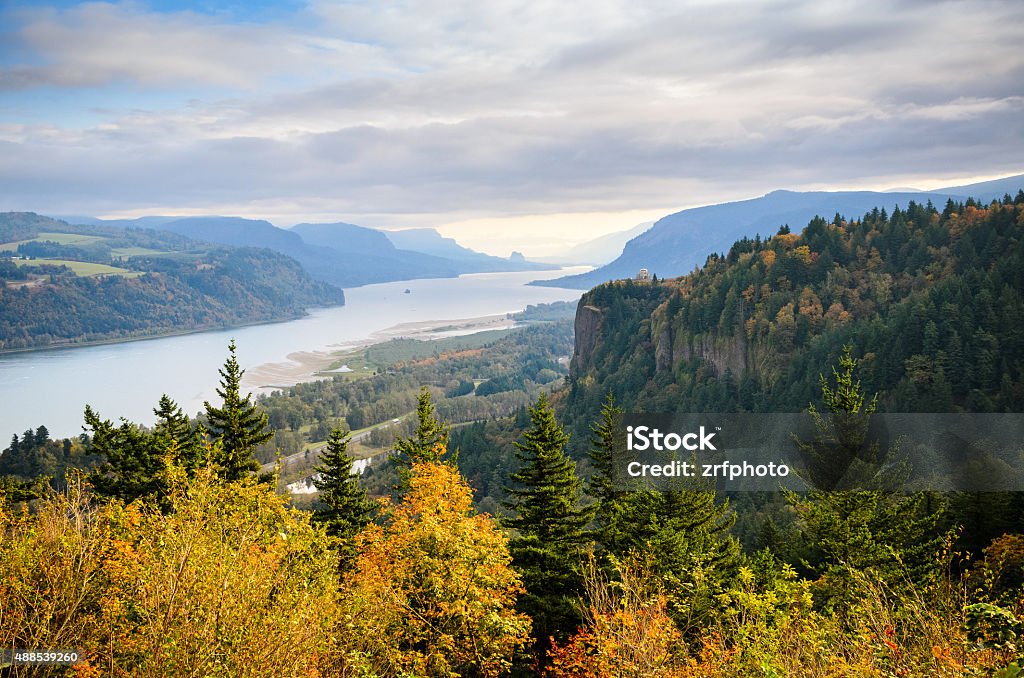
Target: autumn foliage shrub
{"x": 773, "y": 628}
{"x": 230, "y": 581}
{"x": 431, "y": 591}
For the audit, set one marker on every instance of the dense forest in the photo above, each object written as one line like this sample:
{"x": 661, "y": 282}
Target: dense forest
{"x": 184, "y": 559}
{"x": 62, "y": 284}
{"x": 931, "y": 300}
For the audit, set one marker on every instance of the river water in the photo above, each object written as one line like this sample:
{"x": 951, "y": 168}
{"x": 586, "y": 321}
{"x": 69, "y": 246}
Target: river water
{"x": 52, "y": 387}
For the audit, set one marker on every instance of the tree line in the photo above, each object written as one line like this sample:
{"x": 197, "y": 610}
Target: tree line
{"x": 183, "y": 560}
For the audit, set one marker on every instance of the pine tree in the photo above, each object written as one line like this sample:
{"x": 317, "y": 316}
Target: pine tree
{"x": 344, "y": 507}
{"x": 681, "y": 535}
{"x": 606, "y": 441}
{"x": 686, "y": 542}
{"x": 430, "y": 441}
{"x": 549, "y": 526}
{"x": 841, "y": 455}
{"x": 236, "y": 424}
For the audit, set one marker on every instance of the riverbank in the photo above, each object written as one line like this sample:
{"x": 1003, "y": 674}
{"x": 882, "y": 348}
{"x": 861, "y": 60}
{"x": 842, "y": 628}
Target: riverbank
{"x": 303, "y": 366}
{"x": 113, "y": 341}
{"x": 127, "y": 378}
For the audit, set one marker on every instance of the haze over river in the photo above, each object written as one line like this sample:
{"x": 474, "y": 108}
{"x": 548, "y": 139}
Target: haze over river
{"x": 52, "y": 387}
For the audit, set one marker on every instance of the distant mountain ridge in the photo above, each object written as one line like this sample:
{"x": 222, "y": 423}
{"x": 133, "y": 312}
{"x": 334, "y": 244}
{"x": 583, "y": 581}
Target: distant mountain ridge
{"x": 339, "y": 253}
{"x": 429, "y": 241}
{"x": 677, "y": 243}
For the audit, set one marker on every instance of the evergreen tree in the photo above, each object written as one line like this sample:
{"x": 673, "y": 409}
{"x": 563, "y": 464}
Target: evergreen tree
{"x": 134, "y": 460}
{"x": 236, "y": 424}
{"x": 623, "y": 519}
{"x": 179, "y": 435}
{"x": 686, "y": 542}
{"x": 858, "y": 519}
{"x": 549, "y": 526}
{"x": 344, "y": 507}
{"x": 430, "y": 441}
{"x": 13, "y": 490}
{"x": 681, "y": 536}
{"x": 841, "y": 455}
{"x": 606, "y": 441}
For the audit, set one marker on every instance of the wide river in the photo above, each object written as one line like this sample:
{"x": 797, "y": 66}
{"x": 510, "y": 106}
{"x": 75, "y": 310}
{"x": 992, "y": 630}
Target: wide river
{"x": 52, "y": 387}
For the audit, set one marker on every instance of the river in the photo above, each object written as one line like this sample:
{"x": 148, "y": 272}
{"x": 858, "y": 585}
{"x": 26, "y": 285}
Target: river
{"x": 51, "y": 387}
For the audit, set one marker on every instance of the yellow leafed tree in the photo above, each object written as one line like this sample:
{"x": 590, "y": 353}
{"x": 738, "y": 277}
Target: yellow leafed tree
{"x": 228, "y": 581}
{"x": 432, "y": 593}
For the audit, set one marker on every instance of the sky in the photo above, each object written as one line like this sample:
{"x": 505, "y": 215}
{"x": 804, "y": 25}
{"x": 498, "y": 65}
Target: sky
{"x": 508, "y": 125}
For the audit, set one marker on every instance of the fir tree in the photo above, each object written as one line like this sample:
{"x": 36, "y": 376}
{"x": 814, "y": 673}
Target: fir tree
{"x": 858, "y": 518}
{"x": 430, "y": 441}
{"x": 681, "y": 536}
{"x": 621, "y": 517}
{"x": 134, "y": 461}
{"x": 344, "y": 507}
{"x": 841, "y": 455}
{"x": 176, "y": 431}
{"x": 236, "y": 424}
{"x": 685, "y": 540}
{"x": 606, "y": 441}
{"x": 549, "y": 526}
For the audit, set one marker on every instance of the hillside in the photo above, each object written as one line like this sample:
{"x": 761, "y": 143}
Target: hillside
{"x": 338, "y": 253}
{"x": 679, "y": 242}
{"x": 933, "y": 301}
{"x": 353, "y": 256}
{"x": 63, "y": 284}
{"x": 429, "y": 241}
{"x": 364, "y": 255}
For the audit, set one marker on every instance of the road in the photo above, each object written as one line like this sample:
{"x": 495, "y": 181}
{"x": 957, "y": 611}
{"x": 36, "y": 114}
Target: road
{"x": 314, "y": 449}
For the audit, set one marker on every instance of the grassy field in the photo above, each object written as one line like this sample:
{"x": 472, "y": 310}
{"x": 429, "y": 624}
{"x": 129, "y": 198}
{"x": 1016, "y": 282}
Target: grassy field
{"x": 59, "y": 238}
{"x": 12, "y": 246}
{"x": 79, "y": 239}
{"x": 69, "y": 238}
{"x": 355, "y": 361}
{"x": 135, "y": 252}
{"x": 365, "y": 361}
{"x": 397, "y": 350}
{"x": 81, "y": 268}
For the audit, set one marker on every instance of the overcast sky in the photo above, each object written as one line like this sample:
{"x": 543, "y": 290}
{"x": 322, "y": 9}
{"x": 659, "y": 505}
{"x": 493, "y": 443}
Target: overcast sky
{"x": 525, "y": 125}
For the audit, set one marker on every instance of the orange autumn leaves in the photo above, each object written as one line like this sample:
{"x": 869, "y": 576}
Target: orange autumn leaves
{"x": 432, "y": 592}
{"x": 228, "y": 580}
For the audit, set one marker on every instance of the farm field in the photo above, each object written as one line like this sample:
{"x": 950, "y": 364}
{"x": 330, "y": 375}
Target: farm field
{"x": 82, "y": 268}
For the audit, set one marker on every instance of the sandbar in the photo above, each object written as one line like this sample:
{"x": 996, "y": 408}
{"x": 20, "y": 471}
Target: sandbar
{"x": 303, "y": 366}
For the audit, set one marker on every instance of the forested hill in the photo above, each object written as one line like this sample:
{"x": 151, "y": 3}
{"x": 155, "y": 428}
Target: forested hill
{"x": 63, "y": 284}
{"x": 930, "y": 300}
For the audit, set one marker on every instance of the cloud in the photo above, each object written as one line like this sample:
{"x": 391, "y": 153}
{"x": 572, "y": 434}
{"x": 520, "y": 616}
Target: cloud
{"x": 96, "y": 44}
{"x": 431, "y": 112}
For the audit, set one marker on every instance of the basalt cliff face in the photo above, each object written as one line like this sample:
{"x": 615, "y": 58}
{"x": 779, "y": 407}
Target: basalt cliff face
{"x": 641, "y": 318}
{"x": 588, "y": 334}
